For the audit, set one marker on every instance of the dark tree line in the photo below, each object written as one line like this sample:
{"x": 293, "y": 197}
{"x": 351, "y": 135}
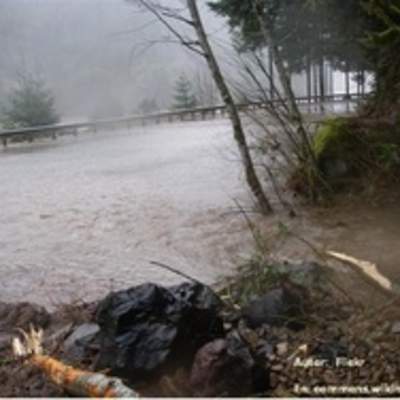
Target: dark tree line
{"x": 355, "y": 36}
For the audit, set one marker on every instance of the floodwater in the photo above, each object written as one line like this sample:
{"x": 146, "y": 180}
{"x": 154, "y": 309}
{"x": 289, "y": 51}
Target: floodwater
{"x": 82, "y": 216}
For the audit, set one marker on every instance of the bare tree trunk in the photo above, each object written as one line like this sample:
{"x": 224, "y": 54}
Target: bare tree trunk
{"x": 308, "y": 72}
{"x": 315, "y": 83}
{"x": 322, "y": 85}
{"x": 331, "y": 80}
{"x": 363, "y": 82}
{"x": 271, "y": 72}
{"x": 321, "y": 80}
{"x": 251, "y": 175}
{"x": 296, "y": 117}
{"x": 347, "y": 78}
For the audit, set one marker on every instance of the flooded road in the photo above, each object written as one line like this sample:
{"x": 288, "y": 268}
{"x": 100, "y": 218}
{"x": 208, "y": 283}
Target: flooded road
{"x": 81, "y": 216}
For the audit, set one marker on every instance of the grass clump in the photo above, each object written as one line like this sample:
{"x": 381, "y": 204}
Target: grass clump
{"x": 255, "y": 277}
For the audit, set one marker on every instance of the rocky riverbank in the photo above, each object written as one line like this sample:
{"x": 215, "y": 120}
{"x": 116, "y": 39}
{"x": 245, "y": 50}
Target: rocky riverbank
{"x": 297, "y": 335}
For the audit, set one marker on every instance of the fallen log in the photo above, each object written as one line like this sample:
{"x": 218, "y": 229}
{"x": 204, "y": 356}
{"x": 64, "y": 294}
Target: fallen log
{"x": 369, "y": 273}
{"x": 74, "y": 381}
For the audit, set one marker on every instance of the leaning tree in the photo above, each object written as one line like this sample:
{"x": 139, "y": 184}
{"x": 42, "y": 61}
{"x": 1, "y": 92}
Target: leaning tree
{"x": 198, "y": 42}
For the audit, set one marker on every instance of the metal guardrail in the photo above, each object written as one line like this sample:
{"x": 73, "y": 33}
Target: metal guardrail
{"x": 52, "y": 131}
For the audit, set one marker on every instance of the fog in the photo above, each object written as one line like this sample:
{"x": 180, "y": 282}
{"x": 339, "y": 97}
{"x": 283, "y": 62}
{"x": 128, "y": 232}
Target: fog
{"x": 95, "y": 55}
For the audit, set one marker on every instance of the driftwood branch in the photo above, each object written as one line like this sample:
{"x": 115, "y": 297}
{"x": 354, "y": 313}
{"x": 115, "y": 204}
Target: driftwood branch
{"x": 74, "y": 381}
{"x": 369, "y": 273}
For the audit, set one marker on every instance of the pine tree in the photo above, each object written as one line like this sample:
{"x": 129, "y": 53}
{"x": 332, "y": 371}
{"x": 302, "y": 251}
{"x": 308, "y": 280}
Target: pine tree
{"x": 184, "y": 97}
{"x": 306, "y": 31}
{"x": 30, "y": 104}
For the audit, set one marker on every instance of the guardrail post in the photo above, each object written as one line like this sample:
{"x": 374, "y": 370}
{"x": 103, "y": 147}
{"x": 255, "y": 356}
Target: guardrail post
{"x": 54, "y": 135}
{"x": 4, "y": 140}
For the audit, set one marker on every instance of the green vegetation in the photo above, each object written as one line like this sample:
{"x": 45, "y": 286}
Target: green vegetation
{"x": 184, "y": 94}
{"x": 382, "y": 43}
{"x": 353, "y": 151}
{"x": 308, "y": 32}
{"x": 30, "y": 104}
{"x": 255, "y": 277}
{"x": 331, "y": 139}
{"x": 353, "y": 36}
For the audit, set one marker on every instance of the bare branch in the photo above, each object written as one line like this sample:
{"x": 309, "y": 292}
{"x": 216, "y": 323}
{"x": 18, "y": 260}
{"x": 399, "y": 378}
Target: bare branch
{"x": 162, "y": 16}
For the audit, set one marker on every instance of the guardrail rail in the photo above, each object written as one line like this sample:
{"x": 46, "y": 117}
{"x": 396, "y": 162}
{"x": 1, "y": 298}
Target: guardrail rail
{"x": 195, "y": 114}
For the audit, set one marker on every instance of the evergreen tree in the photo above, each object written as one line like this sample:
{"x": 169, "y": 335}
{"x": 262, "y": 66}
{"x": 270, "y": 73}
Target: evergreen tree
{"x": 184, "y": 97}
{"x": 30, "y": 104}
{"x": 306, "y": 31}
{"x": 353, "y": 36}
{"x": 382, "y": 45}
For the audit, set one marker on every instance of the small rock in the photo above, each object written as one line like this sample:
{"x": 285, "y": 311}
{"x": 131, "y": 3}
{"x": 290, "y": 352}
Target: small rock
{"x": 248, "y": 335}
{"x": 82, "y": 332}
{"x": 329, "y": 377}
{"x": 264, "y": 349}
{"x": 231, "y": 316}
{"x": 396, "y": 328}
{"x": 77, "y": 346}
{"x": 330, "y": 350}
{"x": 274, "y": 380}
{"x": 228, "y": 326}
{"x": 282, "y": 349}
{"x": 333, "y": 332}
{"x": 277, "y": 367}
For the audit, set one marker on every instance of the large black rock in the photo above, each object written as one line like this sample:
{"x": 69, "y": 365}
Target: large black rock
{"x": 149, "y": 327}
{"x": 283, "y": 306}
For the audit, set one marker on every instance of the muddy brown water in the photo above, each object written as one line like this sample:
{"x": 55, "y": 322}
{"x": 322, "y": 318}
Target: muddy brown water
{"x": 82, "y": 216}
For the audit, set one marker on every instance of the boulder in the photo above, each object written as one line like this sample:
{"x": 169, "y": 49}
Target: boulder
{"x": 283, "y": 306}
{"x": 224, "y": 367}
{"x": 149, "y": 328}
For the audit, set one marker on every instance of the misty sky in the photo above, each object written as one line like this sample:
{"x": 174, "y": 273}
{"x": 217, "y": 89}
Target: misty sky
{"x": 92, "y": 53}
